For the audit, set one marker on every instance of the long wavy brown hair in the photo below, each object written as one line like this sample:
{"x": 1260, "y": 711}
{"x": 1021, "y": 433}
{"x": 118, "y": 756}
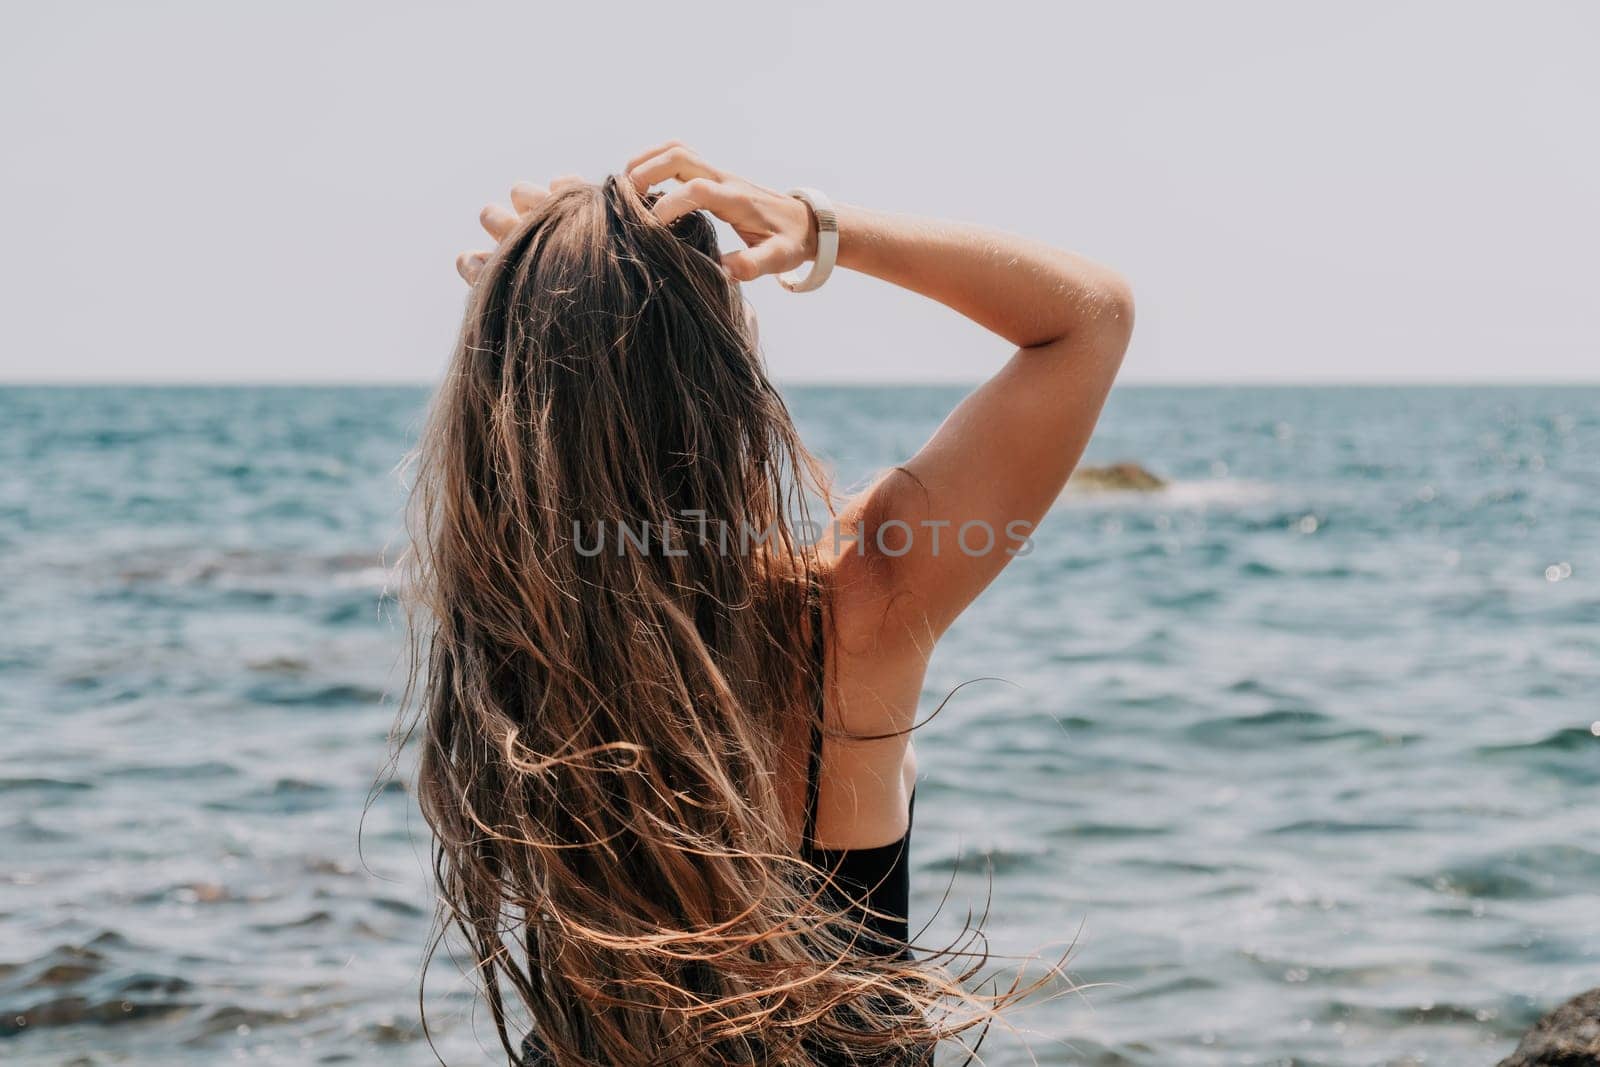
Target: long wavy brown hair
{"x": 604, "y": 733}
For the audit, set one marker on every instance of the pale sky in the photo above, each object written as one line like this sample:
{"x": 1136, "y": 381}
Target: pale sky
{"x": 1339, "y": 192}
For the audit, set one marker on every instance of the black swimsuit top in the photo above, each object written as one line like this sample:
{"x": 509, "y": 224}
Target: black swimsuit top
{"x": 873, "y": 882}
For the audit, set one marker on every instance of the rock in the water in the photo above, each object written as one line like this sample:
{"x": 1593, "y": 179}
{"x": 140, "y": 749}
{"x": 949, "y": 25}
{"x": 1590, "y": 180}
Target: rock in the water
{"x": 1118, "y": 476}
{"x": 1567, "y": 1037}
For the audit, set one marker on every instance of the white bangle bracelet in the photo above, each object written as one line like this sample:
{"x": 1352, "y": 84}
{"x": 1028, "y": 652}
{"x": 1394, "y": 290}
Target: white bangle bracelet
{"x": 827, "y": 244}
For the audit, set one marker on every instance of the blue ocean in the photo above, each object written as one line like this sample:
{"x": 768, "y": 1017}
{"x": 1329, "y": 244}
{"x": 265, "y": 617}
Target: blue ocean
{"x": 1299, "y": 756}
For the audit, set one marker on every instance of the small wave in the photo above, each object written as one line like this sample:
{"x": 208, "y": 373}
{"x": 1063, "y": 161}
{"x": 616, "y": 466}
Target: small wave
{"x": 189, "y": 893}
{"x": 1218, "y": 492}
{"x": 1571, "y": 754}
{"x": 1401, "y": 1015}
{"x": 231, "y": 1017}
{"x": 1337, "y": 827}
{"x": 31, "y": 830}
{"x": 1190, "y": 983}
{"x": 1519, "y": 874}
{"x": 289, "y": 693}
{"x": 70, "y": 1011}
{"x": 72, "y": 984}
{"x": 353, "y": 609}
{"x": 255, "y": 572}
{"x": 325, "y": 865}
{"x": 1187, "y": 601}
{"x": 165, "y": 772}
{"x": 280, "y": 665}
{"x": 286, "y": 796}
{"x": 1110, "y": 830}
{"x": 1198, "y": 494}
{"x": 309, "y": 920}
{"x": 289, "y": 786}
{"x": 1253, "y": 686}
{"x": 1281, "y": 725}
{"x": 1567, "y": 739}
{"x": 60, "y": 966}
{"x": 365, "y": 578}
{"x": 44, "y": 785}
{"x": 1278, "y": 722}
{"x": 1151, "y": 865}
{"x": 398, "y": 907}
{"x": 391, "y": 1032}
{"x": 997, "y": 860}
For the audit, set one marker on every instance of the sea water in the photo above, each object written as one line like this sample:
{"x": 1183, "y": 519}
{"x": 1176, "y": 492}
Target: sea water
{"x": 1298, "y": 756}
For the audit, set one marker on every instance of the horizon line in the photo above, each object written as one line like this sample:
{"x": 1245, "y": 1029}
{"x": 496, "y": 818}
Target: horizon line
{"x": 821, "y": 383}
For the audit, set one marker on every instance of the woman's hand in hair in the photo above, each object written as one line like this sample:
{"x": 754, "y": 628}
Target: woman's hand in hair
{"x": 779, "y": 229}
{"x": 499, "y": 220}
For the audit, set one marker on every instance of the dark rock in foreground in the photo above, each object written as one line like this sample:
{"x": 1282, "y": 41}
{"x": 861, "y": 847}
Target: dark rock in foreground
{"x": 1118, "y": 476}
{"x": 1567, "y": 1037}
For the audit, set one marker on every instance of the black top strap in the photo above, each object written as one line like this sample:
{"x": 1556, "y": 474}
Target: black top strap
{"x": 819, "y": 654}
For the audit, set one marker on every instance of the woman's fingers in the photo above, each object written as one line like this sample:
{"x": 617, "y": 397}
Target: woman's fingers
{"x": 470, "y": 264}
{"x": 565, "y": 182}
{"x": 526, "y": 197}
{"x": 677, "y": 162}
{"x": 695, "y": 194}
{"x": 499, "y": 221}
{"x": 772, "y": 256}
{"x": 649, "y": 154}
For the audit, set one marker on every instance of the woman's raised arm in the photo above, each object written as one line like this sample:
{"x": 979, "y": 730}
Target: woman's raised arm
{"x": 934, "y": 532}
{"x": 938, "y": 529}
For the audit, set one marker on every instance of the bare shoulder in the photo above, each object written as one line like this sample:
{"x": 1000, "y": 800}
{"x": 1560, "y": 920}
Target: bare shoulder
{"x": 879, "y": 642}
{"x": 875, "y": 606}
